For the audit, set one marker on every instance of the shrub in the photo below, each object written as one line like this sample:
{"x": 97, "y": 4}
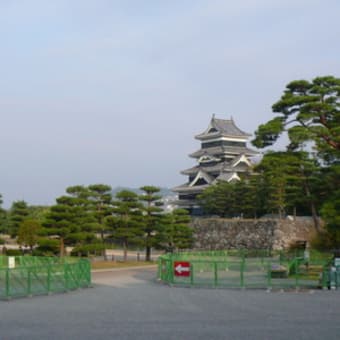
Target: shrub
{"x": 88, "y": 249}
{"x": 2, "y": 241}
{"x": 13, "y": 252}
{"x": 83, "y": 237}
{"x": 46, "y": 247}
{"x": 325, "y": 240}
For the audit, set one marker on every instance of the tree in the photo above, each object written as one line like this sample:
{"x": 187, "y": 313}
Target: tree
{"x": 176, "y": 233}
{"x": 83, "y": 221}
{"x": 236, "y": 199}
{"x": 329, "y": 183}
{"x": 71, "y": 219}
{"x": 274, "y": 169}
{"x": 28, "y": 233}
{"x": 218, "y": 199}
{"x": 126, "y": 222}
{"x": 291, "y": 179}
{"x": 3, "y": 227}
{"x": 330, "y": 193}
{"x": 245, "y": 203}
{"x": 152, "y": 217}
{"x": 330, "y": 213}
{"x": 59, "y": 222}
{"x": 100, "y": 196}
{"x": 309, "y": 111}
{"x": 46, "y": 247}
{"x": 17, "y": 213}
{"x": 257, "y": 195}
{"x": 283, "y": 182}
{"x": 38, "y": 212}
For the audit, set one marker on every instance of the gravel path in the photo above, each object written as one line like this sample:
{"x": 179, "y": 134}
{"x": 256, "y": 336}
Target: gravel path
{"x": 129, "y": 304}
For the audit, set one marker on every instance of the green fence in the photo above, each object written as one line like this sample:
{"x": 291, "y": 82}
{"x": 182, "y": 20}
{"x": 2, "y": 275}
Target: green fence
{"x": 248, "y": 269}
{"x": 32, "y": 275}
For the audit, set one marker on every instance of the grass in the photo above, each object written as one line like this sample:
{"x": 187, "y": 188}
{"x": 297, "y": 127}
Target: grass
{"x": 112, "y": 264}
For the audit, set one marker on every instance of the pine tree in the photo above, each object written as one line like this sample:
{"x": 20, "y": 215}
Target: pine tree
{"x": 126, "y": 223}
{"x": 176, "y": 233}
{"x": 71, "y": 219}
{"x": 100, "y": 197}
{"x": 330, "y": 211}
{"x": 17, "y": 213}
{"x": 218, "y": 199}
{"x": 3, "y": 214}
{"x": 309, "y": 111}
{"x": 28, "y": 233}
{"x": 152, "y": 215}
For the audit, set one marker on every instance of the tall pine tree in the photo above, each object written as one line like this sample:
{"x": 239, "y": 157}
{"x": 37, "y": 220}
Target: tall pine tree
{"x": 18, "y": 213}
{"x": 126, "y": 222}
{"x": 152, "y": 220}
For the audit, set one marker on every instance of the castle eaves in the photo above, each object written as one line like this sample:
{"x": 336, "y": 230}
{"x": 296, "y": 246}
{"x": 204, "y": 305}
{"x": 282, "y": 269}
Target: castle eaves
{"x": 219, "y": 150}
{"x": 222, "y": 127}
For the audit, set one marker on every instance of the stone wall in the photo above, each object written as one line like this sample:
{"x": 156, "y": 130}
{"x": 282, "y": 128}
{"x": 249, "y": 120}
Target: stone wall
{"x": 219, "y": 233}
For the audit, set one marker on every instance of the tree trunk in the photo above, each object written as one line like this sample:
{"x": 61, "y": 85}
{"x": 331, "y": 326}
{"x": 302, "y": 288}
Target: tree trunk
{"x": 148, "y": 253}
{"x": 312, "y": 208}
{"x": 315, "y": 217}
{"x": 125, "y": 247}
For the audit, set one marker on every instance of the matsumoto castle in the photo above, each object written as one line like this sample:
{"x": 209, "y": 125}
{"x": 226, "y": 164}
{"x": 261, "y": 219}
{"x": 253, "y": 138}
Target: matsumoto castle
{"x": 222, "y": 157}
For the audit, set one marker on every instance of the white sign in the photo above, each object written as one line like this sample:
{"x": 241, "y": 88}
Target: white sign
{"x": 11, "y": 262}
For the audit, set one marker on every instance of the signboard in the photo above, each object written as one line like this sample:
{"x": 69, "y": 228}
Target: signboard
{"x": 182, "y": 268}
{"x": 11, "y": 262}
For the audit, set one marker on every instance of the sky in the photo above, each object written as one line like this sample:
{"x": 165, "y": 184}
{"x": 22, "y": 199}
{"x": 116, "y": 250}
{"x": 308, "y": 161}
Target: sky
{"x": 113, "y": 92}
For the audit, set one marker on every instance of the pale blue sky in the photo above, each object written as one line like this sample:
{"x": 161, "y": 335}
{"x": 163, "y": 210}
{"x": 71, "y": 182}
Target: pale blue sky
{"x": 99, "y": 91}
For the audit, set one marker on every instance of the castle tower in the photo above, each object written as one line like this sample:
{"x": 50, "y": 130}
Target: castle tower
{"x": 222, "y": 157}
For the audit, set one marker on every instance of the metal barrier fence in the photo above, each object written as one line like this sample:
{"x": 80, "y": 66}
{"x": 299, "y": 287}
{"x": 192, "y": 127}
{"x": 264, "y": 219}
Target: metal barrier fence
{"x": 32, "y": 275}
{"x": 249, "y": 269}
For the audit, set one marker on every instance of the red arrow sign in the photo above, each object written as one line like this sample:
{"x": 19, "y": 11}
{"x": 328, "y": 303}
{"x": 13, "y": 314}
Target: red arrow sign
{"x": 182, "y": 268}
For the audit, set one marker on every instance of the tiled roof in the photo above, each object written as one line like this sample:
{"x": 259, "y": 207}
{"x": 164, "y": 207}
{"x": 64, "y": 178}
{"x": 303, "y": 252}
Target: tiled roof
{"x": 204, "y": 175}
{"x": 186, "y": 188}
{"x": 218, "y": 150}
{"x": 238, "y": 159}
{"x": 224, "y": 127}
{"x": 209, "y": 169}
{"x": 226, "y": 176}
{"x": 190, "y": 171}
{"x": 228, "y": 127}
{"x": 188, "y": 203}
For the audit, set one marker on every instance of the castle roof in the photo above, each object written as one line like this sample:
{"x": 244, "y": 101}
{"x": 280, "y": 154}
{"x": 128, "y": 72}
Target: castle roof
{"x": 219, "y": 167}
{"x": 185, "y": 188}
{"x": 190, "y": 188}
{"x": 227, "y": 177}
{"x": 219, "y": 150}
{"x": 222, "y": 127}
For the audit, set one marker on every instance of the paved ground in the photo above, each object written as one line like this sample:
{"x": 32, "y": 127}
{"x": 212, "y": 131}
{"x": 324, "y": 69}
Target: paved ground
{"x": 128, "y": 304}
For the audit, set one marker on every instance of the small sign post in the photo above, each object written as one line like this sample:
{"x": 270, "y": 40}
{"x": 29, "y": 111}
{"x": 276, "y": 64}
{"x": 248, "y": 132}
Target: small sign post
{"x": 182, "y": 268}
{"x": 11, "y": 262}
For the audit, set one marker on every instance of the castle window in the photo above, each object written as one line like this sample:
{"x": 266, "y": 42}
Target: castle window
{"x": 212, "y": 130}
